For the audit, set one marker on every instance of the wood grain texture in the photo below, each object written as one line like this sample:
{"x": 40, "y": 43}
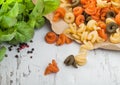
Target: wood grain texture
{"x": 102, "y": 68}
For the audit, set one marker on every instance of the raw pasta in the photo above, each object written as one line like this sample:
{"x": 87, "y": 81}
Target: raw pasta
{"x": 92, "y": 25}
{"x": 82, "y": 33}
{"x": 108, "y": 20}
{"x": 63, "y": 1}
{"x": 81, "y": 28}
{"x": 81, "y": 59}
{"x": 65, "y": 4}
{"x": 102, "y": 3}
{"x": 99, "y": 40}
{"x": 115, "y": 38}
{"x": 69, "y": 17}
{"x": 84, "y": 36}
{"x": 88, "y": 45}
{"x": 116, "y": 3}
{"x": 89, "y": 31}
{"x": 71, "y": 30}
{"x": 92, "y": 36}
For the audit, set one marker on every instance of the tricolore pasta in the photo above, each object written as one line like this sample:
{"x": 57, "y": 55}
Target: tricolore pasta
{"x": 90, "y": 23}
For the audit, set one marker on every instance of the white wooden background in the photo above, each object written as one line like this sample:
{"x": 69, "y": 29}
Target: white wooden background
{"x": 102, "y": 68}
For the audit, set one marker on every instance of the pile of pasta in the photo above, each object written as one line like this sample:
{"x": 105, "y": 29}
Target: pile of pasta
{"x": 92, "y": 23}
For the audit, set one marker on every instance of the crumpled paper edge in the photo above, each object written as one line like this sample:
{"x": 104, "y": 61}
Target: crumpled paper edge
{"x": 56, "y": 25}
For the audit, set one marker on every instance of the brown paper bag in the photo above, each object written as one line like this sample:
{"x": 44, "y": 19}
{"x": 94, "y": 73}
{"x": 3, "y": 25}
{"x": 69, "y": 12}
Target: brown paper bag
{"x": 59, "y": 27}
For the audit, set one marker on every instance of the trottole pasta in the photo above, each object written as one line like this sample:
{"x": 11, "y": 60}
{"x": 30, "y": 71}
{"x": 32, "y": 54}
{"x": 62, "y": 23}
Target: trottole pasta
{"x": 87, "y": 23}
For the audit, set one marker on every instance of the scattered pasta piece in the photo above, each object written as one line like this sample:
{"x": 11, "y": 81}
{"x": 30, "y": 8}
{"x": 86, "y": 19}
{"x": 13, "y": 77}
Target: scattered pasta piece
{"x": 80, "y": 59}
{"x": 50, "y": 37}
{"x": 51, "y": 68}
{"x": 68, "y": 40}
{"x": 62, "y": 39}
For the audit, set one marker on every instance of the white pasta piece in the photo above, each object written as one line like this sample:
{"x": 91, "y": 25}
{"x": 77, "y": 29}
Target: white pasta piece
{"x": 73, "y": 28}
{"x": 63, "y": 1}
{"x": 116, "y": 3}
{"x": 92, "y": 25}
{"x": 87, "y": 45}
{"x": 68, "y": 31}
{"x": 108, "y": 20}
{"x": 115, "y": 38}
{"x": 92, "y": 36}
{"x": 118, "y": 30}
{"x": 102, "y": 3}
{"x": 65, "y": 5}
{"x": 69, "y": 17}
{"x": 69, "y": 9}
{"x": 81, "y": 59}
{"x": 76, "y": 36}
{"x": 84, "y": 36}
{"x": 79, "y": 34}
{"x": 115, "y": 0}
{"x": 99, "y": 40}
{"x": 82, "y": 28}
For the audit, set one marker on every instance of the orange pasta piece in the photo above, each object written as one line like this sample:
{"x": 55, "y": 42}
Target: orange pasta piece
{"x": 56, "y": 17}
{"x": 83, "y": 2}
{"x": 51, "y": 68}
{"x": 117, "y": 18}
{"x": 102, "y": 34}
{"x": 79, "y": 19}
{"x": 59, "y": 13}
{"x": 108, "y": 0}
{"x": 104, "y": 12}
{"x": 47, "y": 71}
{"x": 102, "y": 25}
{"x": 117, "y": 10}
{"x": 69, "y": 1}
{"x": 61, "y": 39}
{"x": 96, "y": 16}
{"x": 77, "y": 11}
{"x": 50, "y": 37}
{"x": 68, "y": 40}
{"x": 91, "y": 10}
{"x": 87, "y": 3}
{"x": 54, "y": 63}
